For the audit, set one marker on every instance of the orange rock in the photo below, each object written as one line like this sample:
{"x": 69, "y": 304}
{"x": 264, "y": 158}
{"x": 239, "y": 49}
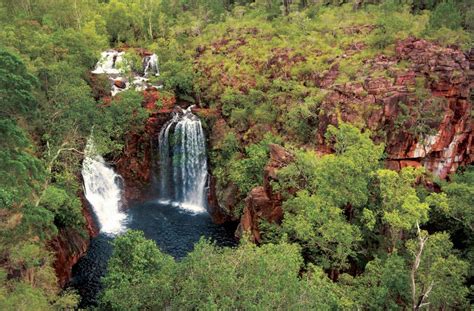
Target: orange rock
{"x": 406, "y": 163}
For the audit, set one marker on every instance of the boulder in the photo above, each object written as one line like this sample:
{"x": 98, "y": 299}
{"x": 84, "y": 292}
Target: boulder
{"x": 120, "y": 84}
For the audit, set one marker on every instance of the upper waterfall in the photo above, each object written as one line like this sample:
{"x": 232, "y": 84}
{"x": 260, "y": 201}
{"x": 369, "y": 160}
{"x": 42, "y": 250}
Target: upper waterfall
{"x": 114, "y": 64}
{"x": 183, "y": 162}
{"x": 102, "y": 188}
{"x": 110, "y": 63}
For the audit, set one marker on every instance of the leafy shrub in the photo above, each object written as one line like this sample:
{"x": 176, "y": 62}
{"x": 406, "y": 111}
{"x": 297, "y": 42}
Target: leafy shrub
{"x": 446, "y": 15}
{"x": 247, "y": 173}
{"x": 66, "y": 208}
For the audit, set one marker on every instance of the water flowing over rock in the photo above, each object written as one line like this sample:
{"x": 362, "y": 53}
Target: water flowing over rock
{"x": 183, "y": 163}
{"x": 103, "y": 190}
{"x": 109, "y": 63}
{"x": 112, "y": 64}
{"x": 150, "y": 65}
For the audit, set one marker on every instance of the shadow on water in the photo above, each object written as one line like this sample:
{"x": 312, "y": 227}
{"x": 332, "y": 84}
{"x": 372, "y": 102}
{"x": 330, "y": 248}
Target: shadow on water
{"x": 174, "y": 230}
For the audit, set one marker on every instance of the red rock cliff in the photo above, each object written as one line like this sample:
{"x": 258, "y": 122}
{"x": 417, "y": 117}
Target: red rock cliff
{"x": 447, "y": 74}
{"x": 420, "y": 140}
{"x": 70, "y": 245}
{"x": 262, "y": 203}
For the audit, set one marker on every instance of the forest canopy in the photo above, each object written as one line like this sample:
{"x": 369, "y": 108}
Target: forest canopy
{"x": 354, "y": 235}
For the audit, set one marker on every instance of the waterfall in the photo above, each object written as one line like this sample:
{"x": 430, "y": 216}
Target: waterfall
{"x": 112, "y": 64}
{"x": 108, "y": 63}
{"x": 102, "y": 188}
{"x": 183, "y": 163}
{"x": 150, "y": 65}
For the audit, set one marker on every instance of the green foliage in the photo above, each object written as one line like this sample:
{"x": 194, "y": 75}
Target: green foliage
{"x": 248, "y": 277}
{"x": 67, "y": 209}
{"x": 140, "y": 275}
{"x": 20, "y": 171}
{"x": 460, "y": 194}
{"x": 384, "y": 283}
{"x": 124, "y": 115}
{"x": 395, "y": 22}
{"x": 401, "y": 209}
{"x": 302, "y": 121}
{"x": 443, "y": 270}
{"x": 452, "y": 211}
{"x": 15, "y": 85}
{"x": 446, "y": 15}
{"x": 178, "y": 75}
{"x": 342, "y": 178}
{"x": 247, "y": 173}
{"x": 23, "y": 298}
{"x": 326, "y": 237}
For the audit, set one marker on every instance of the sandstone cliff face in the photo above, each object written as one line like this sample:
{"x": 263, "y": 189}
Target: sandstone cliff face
{"x": 262, "y": 203}
{"x": 449, "y": 74}
{"x": 377, "y": 104}
{"x": 70, "y": 245}
{"x": 135, "y": 164}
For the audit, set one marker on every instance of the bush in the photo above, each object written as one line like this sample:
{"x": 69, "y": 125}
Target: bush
{"x": 446, "y": 15}
{"x": 247, "y": 173}
{"x": 66, "y": 209}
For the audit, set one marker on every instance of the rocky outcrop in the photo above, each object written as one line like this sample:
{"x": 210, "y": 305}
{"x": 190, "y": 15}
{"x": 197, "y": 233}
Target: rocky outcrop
{"x": 218, "y": 214}
{"x": 135, "y": 163}
{"x": 430, "y": 128}
{"x": 448, "y": 75}
{"x": 70, "y": 245}
{"x": 433, "y": 130}
{"x": 262, "y": 203}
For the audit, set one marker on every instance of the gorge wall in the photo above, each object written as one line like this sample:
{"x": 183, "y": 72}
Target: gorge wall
{"x": 70, "y": 245}
{"x": 433, "y": 130}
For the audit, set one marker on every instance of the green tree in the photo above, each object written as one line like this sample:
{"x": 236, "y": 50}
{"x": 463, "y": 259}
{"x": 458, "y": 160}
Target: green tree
{"x": 383, "y": 285}
{"x": 247, "y": 172}
{"x": 139, "y": 275}
{"x": 400, "y": 209}
{"x": 248, "y": 277}
{"x": 446, "y": 14}
{"x": 16, "y": 85}
{"x": 437, "y": 275}
{"x": 321, "y": 229}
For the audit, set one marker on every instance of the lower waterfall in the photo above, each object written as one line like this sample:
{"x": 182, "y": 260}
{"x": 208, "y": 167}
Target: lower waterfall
{"x": 183, "y": 162}
{"x": 182, "y": 154}
{"x": 102, "y": 188}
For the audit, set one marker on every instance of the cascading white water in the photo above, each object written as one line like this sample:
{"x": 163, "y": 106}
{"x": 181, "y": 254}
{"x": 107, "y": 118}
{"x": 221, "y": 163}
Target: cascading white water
{"x": 102, "y": 188}
{"x": 150, "y": 65}
{"x": 109, "y": 63}
{"x": 183, "y": 163}
{"x": 113, "y": 65}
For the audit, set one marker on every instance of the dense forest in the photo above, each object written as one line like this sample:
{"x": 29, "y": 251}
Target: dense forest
{"x": 309, "y": 106}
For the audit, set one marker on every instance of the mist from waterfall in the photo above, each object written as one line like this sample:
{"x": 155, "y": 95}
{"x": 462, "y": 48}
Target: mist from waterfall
{"x": 183, "y": 162}
{"x": 103, "y": 190}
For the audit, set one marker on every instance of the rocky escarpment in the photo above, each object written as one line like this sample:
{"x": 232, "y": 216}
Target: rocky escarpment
{"x": 432, "y": 129}
{"x": 416, "y": 101}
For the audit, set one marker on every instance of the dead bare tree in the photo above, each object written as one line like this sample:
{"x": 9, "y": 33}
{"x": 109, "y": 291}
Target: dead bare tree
{"x": 420, "y": 301}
